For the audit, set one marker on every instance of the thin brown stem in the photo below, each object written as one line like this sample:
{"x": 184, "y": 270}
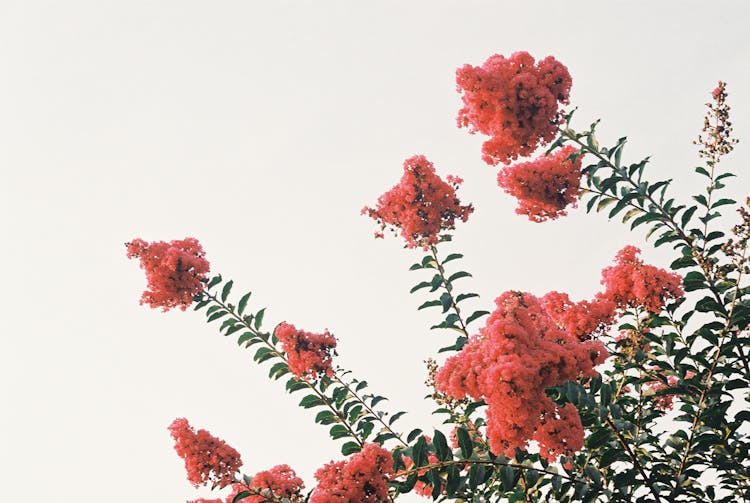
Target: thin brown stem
{"x": 449, "y": 289}
{"x": 634, "y": 459}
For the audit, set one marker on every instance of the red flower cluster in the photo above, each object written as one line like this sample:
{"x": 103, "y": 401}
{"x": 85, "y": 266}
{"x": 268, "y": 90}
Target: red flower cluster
{"x": 514, "y": 102}
{"x": 545, "y": 186}
{"x": 363, "y": 478}
{"x": 631, "y": 283}
{"x": 422, "y": 205}
{"x": 519, "y": 353}
{"x": 581, "y": 320}
{"x": 308, "y": 354}
{"x": 207, "y": 458}
{"x": 174, "y": 271}
{"x": 281, "y": 480}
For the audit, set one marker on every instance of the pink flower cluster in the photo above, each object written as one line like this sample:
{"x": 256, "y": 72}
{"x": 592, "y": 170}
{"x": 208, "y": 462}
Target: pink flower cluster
{"x": 581, "y": 320}
{"x": 544, "y": 186}
{"x": 422, "y": 205}
{"x": 277, "y": 483}
{"x": 519, "y": 353}
{"x": 174, "y": 271}
{"x": 513, "y": 101}
{"x": 631, "y": 283}
{"x": 207, "y": 459}
{"x": 362, "y": 478}
{"x": 308, "y": 354}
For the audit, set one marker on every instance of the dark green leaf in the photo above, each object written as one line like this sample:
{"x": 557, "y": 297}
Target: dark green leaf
{"x": 475, "y": 315}
{"x": 446, "y": 301}
{"x": 326, "y": 417}
{"x": 350, "y": 448}
{"x": 259, "y": 318}
{"x": 442, "y": 450}
{"x": 458, "y": 275}
{"x": 463, "y": 296}
{"x": 423, "y": 284}
{"x": 216, "y": 316}
{"x": 241, "y": 496}
{"x": 243, "y": 303}
{"x": 311, "y": 401}
{"x": 214, "y": 281}
{"x": 508, "y": 477}
{"x": 225, "y": 291}
{"x": 452, "y": 256}
{"x": 419, "y": 452}
{"x": 464, "y": 442}
{"x": 395, "y": 417}
{"x": 722, "y": 202}
{"x": 278, "y": 369}
{"x": 413, "y": 434}
{"x": 338, "y": 431}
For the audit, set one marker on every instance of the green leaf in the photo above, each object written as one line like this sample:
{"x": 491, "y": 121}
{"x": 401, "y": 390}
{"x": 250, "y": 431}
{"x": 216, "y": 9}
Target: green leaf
{"x": 475, "y": 315}
{"x": 326, "y": 417}
{"x": 201, "y": 305}
{"x": 598, "y": 438}
{"x": 243, "y": 303}
{"x": 694, "y": 280}
{"x": 435, "y": 283}
{"x": 429, "y": 303}
{"x": 419, "y": 452}
{"x": 311, "y": 401}
{"x": 278, "y": 369}
{"x": 247, "y": 336}
{"x": 701, "y": 170}
{"x": 442, "y": 450}
{"x": 452, "y": 256}
{"x": 350, "y": 448}
{"x": 294, "y": 384}
{"x": 225, "y": 291}
{"x": 376, "y": 400}
{"x": 338, "y": 431}
{"x": 259, "y": 318}
{"x": 476, "y": 476}
{"x": 360, "y": 386}
{"x": 463, "y": 296}
{"x": 700, "y": 198}
{"x": 214, "y": 281}
{"x": 457, "y": 275}
{"x": 413, "y": 434}
{"x": 423, "y": 284}
{"x": 395, "y": 417}
{"x": 241, "y": 496}
{"x": 687, "y": 215}
{"x": 446, "y": 300}
{"x": 508, "y": 477}
{"x": 264, "y": 354}
{"x": 722, "y": 202}
{"x": 464, "y": 442}
{"x": 216, "y": 316}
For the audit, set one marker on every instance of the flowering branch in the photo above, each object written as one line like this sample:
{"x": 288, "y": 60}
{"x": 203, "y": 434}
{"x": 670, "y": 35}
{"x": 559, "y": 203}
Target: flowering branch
{"x": 341, "y": 417}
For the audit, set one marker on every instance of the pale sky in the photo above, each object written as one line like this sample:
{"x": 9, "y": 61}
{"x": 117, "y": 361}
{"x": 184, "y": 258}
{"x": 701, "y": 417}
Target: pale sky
{"x": 262, "y": 128}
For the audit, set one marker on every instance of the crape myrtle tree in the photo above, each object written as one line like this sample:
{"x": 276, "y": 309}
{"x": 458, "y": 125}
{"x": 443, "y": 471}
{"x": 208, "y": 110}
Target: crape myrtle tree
{"x": 637, "y": 394}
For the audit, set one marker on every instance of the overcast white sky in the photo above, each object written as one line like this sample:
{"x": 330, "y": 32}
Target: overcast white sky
{"x": 262, "y": 128}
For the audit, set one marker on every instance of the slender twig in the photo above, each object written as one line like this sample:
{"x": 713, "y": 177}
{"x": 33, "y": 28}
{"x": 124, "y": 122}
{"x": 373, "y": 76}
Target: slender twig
{"x": 464, "y": 462}
{"x": 323, "y": 398}
{"x": 634, "y": 459}
{"x": 449, "y": 289}
{"x": 369, "y": 409}
{"x": 699, "y": 407}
